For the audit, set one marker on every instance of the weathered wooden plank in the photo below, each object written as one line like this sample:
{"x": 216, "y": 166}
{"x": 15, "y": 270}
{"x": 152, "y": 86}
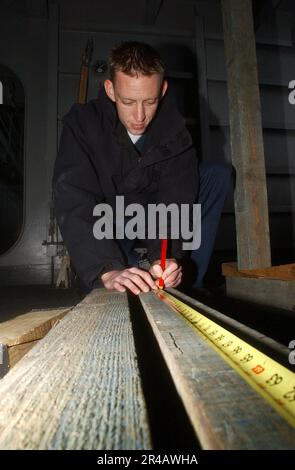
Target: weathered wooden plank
{"x": 30, "y": 326}
{"x": 224, "y": 410}
{"x": 269, "y": 292}
{"x": 284, "y": 272}
{"x": 15, "y": 353}
{"x": 79, "y": 388}
{"x": 247, "y": 148}
{"x": 21, "y": 333}
{"x": 257, "y": 338}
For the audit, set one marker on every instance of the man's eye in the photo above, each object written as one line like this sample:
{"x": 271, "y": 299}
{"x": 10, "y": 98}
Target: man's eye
{"x": 129, "y": 103}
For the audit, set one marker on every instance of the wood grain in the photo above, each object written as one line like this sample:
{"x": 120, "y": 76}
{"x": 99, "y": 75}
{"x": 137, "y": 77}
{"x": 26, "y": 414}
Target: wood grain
{"x": 30, "y": 326}
{"x": 15, "y": 353}
{"x": 21, "y": 333}
{"x": 224, "y": 410}
{"x": 267, "y": 292}
{"x": 247, "y": 149}
{"x": 79, "y": 388}
{"x": 284, "y": 272}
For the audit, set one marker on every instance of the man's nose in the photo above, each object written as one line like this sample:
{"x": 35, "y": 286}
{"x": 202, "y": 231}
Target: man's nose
{"x": 140, "y": 113}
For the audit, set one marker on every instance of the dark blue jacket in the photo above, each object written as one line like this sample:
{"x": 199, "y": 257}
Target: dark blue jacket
{"x": 97, "y": 161}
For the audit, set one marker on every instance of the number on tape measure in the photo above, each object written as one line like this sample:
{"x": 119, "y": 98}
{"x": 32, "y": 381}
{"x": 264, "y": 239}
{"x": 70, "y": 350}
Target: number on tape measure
{"x": 270, "y": 379}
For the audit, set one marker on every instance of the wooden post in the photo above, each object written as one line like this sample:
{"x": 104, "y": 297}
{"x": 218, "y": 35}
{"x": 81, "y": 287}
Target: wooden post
{"x": 251, "y": 207}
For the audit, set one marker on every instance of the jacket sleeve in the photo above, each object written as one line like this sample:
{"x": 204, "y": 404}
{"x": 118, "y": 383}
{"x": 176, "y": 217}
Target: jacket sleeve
{"x": 178, "y": 184}
{"x": 77, "y": 190}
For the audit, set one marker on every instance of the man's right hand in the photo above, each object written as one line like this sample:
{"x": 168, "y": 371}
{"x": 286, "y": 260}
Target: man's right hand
{"x": 134, "y": 279}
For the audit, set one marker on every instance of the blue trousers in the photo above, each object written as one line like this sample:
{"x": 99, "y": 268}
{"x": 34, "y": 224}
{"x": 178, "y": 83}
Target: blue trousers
{"x": 215, "y": 183}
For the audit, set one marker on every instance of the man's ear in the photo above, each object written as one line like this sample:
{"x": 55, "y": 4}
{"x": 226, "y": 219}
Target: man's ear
{"x": 109, "y": 89}
{"x": 164, "y": 88}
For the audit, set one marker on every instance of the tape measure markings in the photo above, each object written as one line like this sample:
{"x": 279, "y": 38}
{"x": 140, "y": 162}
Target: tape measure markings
{"x": 270, "y": 379}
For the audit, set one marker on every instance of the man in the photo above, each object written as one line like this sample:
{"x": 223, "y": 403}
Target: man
{"x": 131, "y": 141}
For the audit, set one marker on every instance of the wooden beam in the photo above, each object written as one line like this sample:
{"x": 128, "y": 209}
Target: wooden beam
{"x": 247, "y": 149}
{"x": 285, "y": 272}
{"x": 21, "y": 333}
{"x": 224, "y": 410}
{"x": 15, "y": 353}
{"x": 273, "y": 287}
{"x": 79, "y": 388}
{"x": 267, "y": 292}
{"x": 256, "y": 338}
{"x": 30, "y": 326}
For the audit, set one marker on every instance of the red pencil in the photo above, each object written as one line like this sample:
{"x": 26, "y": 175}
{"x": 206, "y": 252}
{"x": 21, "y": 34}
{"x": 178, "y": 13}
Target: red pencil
{"x": 163, "y": 262}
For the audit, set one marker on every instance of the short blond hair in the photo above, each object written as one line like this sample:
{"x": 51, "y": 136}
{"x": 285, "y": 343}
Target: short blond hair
{"x": 133, "y": 58}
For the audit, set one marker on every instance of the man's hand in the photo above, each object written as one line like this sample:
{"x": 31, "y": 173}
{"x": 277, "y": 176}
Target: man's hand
{"x": 171, "y": 275}
{"x": 133, "y": 279}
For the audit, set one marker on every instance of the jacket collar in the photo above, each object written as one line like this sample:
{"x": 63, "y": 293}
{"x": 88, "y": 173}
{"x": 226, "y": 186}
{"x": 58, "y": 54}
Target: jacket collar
{"x": 166, "y": 136}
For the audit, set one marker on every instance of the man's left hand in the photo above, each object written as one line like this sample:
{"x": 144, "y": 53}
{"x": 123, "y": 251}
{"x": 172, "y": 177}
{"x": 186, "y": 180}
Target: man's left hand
{"x": 171, "y": 275}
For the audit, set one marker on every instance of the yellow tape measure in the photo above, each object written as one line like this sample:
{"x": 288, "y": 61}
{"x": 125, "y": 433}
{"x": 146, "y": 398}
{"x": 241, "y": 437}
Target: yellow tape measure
{"x": 270, "y": 379}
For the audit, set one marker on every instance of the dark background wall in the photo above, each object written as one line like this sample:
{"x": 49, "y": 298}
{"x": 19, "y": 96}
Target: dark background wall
{"x": 42, "y": 43}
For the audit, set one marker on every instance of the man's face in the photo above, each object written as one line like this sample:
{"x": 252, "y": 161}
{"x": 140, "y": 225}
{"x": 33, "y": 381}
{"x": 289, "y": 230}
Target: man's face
{"x": 137, "y": 99}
